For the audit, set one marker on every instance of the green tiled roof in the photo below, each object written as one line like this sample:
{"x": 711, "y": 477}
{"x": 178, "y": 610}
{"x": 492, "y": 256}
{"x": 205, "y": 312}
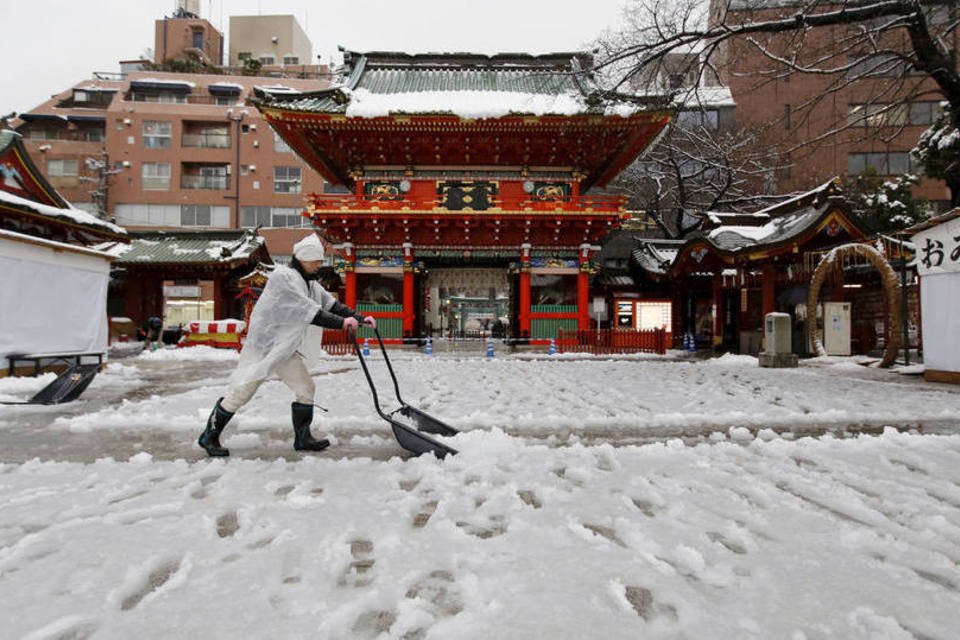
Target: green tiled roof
{"x": 555, "y": 74}
{"x": 186, "y": 247}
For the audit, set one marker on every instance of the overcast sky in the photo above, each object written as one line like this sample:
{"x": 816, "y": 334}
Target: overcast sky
{"x": 48, "y": 46}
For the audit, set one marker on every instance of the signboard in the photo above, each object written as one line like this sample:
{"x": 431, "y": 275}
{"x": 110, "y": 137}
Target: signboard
{"x": 181, "y": 291}
{"x": 938, "y": 248}
{"x": 598, "y": 308}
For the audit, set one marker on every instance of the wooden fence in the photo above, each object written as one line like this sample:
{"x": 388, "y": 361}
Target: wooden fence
{"x": 608, "y": 341}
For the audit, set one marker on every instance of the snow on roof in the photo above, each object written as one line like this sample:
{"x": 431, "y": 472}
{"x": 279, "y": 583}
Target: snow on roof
{"x": 706, "y": 97}
{"x": 53, "y": 244}
{"x": 277, "y": 88}
{"x": 187, "y": 247}
{"x": 472, "y": 104}
{"x": 72, "y": 214}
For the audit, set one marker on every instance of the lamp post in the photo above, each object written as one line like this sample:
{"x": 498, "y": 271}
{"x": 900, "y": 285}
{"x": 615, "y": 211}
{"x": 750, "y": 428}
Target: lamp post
{"x": 237, "y": 118}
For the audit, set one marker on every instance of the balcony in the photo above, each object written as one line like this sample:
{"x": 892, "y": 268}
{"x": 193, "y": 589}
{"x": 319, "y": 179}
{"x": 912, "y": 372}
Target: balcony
{"x": 215, "y": 183}
{"x": 206, "y": 140}
{"x": 496, "y": 203}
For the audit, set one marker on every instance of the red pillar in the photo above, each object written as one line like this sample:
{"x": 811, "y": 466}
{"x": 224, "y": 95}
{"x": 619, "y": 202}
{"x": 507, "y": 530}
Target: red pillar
{"x": 350, "y": 277}
{"x": 220, "y": 305}
{"x": 718, "y": 309}
{"x": 583, "y": 289}
{"x": 769, "y": 289}
{"x": 408, "y": 313}
{"x": 524, "y": 310}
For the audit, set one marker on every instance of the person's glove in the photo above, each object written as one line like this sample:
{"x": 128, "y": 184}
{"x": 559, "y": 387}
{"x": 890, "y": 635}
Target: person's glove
{"x": 350, "y": 324}
{"x": 370, "y": 321}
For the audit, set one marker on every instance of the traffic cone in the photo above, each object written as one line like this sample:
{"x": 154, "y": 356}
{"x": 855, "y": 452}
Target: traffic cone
{"x": 366, "y": 347}
{"x": 552, "y": 351}
{"x": 489, "y": 347}
{"x": 428, "y": 349}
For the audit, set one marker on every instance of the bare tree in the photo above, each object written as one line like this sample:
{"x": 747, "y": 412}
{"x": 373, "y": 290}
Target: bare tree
{"x": 886, "y": 53}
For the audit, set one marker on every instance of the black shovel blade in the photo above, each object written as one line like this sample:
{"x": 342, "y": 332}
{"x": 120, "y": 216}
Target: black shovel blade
{"x": 413, "y": 440}
{"x": 68, "y": 386}
{"x": 426, "y": 422}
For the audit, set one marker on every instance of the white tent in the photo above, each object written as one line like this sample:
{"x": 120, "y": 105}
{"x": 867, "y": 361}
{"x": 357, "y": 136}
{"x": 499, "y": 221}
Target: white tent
{"x": 53, "y": 298}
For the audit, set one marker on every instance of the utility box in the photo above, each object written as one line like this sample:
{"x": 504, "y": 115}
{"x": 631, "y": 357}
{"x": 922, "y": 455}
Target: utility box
{"x": 778, "y": 335}
{"x": 836, "y": 328}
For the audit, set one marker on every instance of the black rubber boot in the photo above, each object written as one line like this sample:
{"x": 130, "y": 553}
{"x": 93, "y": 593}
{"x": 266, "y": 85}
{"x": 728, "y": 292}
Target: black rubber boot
{"x": 210, "y": 438}
{"x": 302, "y": 440}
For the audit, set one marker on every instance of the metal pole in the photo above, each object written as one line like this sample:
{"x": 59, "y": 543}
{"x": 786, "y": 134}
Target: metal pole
{"x": 236, "y": 179}
{"x": 905, "y": 312}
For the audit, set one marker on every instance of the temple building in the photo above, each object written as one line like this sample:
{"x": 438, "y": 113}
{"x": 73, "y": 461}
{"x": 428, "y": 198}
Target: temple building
{"x": 466, "y": 189}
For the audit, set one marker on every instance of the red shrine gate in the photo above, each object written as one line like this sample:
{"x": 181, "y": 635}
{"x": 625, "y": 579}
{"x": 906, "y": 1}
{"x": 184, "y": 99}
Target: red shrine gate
{"x": 466, "y": 202}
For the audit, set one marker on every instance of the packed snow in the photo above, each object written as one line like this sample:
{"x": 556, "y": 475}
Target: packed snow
{"x": 625, "y": 497}
{"x": 473, "y": 104}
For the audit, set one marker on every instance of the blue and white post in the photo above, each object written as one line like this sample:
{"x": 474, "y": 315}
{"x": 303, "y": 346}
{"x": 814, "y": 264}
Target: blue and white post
{"x": 428, "y": 348}
{"x": 490, "y": 347}
{"x": 366, "y": 347}
{"x": 552, "y": 351}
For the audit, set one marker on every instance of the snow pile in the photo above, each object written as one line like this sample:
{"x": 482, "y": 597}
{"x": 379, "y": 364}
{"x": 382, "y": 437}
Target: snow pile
{"x": 200, "y": 353}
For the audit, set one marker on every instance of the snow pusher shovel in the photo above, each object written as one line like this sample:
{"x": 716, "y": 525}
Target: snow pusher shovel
{"x": 67, "y": 387}
{"x": 408, "y": 423}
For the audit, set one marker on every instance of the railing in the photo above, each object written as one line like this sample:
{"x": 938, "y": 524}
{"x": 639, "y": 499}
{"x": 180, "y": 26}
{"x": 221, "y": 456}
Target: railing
{"x": 610, "y": 341}
{"x": 205, "y": 182}
{"x": 207, "y": 140}
{"x": 339, "y": 202}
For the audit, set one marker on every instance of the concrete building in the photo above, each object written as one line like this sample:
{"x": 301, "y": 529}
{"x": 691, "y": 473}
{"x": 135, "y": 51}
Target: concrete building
{"x": 877, "y": 125}
{"x": 274, "y": 40}
{"x": 174, "y": 151}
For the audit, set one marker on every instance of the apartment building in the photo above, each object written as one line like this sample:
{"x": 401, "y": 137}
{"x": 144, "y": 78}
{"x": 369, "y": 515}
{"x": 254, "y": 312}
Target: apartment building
{"x": 172, "y": 151}
{"x": 271, "y": 40}
{"x": 877, "y": 106}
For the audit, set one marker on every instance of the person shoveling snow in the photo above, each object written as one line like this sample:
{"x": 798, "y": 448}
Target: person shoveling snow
{"x": 292, "y": 301}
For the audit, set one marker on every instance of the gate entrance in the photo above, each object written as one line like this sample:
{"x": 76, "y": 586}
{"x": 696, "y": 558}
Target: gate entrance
{"x": 467, "y": 301}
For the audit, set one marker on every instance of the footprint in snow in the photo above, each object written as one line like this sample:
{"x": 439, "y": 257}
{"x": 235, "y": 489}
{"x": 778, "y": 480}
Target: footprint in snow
{"x": 359, "y": 573}
{"x": 642, "y": 601}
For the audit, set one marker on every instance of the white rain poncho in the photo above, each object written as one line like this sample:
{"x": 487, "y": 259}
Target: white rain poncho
{"x": 280, "y": 325}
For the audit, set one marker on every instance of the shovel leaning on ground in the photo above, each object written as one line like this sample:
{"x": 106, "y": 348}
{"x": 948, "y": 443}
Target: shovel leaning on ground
{"x": 410, "y": 425}
{"x": 67, "y": 387}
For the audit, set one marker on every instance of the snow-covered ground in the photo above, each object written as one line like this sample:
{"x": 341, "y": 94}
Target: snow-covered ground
{"x": 554, "y": 521}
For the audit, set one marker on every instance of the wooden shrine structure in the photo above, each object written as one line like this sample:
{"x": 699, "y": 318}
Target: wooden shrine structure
{"x": 462, "y": 186}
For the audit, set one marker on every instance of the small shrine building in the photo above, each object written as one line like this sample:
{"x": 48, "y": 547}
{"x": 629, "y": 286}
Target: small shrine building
{"x": 464, "y": 187}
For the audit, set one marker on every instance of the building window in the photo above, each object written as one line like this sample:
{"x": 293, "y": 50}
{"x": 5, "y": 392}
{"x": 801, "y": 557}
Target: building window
{"x": 786, "y": 116}
{"x": 225, "y": 101}
{"x": 883, "y": 163}
{"x": 706, "y": 118}
{"x": 156, "y": 134}
{"x": 287, "y": 217}
{"x": 195, "y": 215}
{"x": 272, "y": 217}
{"x": 280, "y": 145}
{"x": 878, "y": 115}
{"x": 924, "y": 113}
{"x": 291, "y": 60}
{"x": 65, "y": 167}
{"x": 32, "y": 132}
{"x": 244, "y": 56}
{"x": 164, "y": 98}
{"x": 267, "y": 60}
{"x": 254, "y": 217}
{"x": 62, "y": 168}
{"x": 198, "y": 39}
{"x": 155, "y": 176}
{"x": 286, "y": 179}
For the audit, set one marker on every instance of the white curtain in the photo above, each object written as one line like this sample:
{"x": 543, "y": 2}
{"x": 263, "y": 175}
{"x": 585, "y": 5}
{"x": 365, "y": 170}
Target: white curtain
{"x": 52, "y": 298}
